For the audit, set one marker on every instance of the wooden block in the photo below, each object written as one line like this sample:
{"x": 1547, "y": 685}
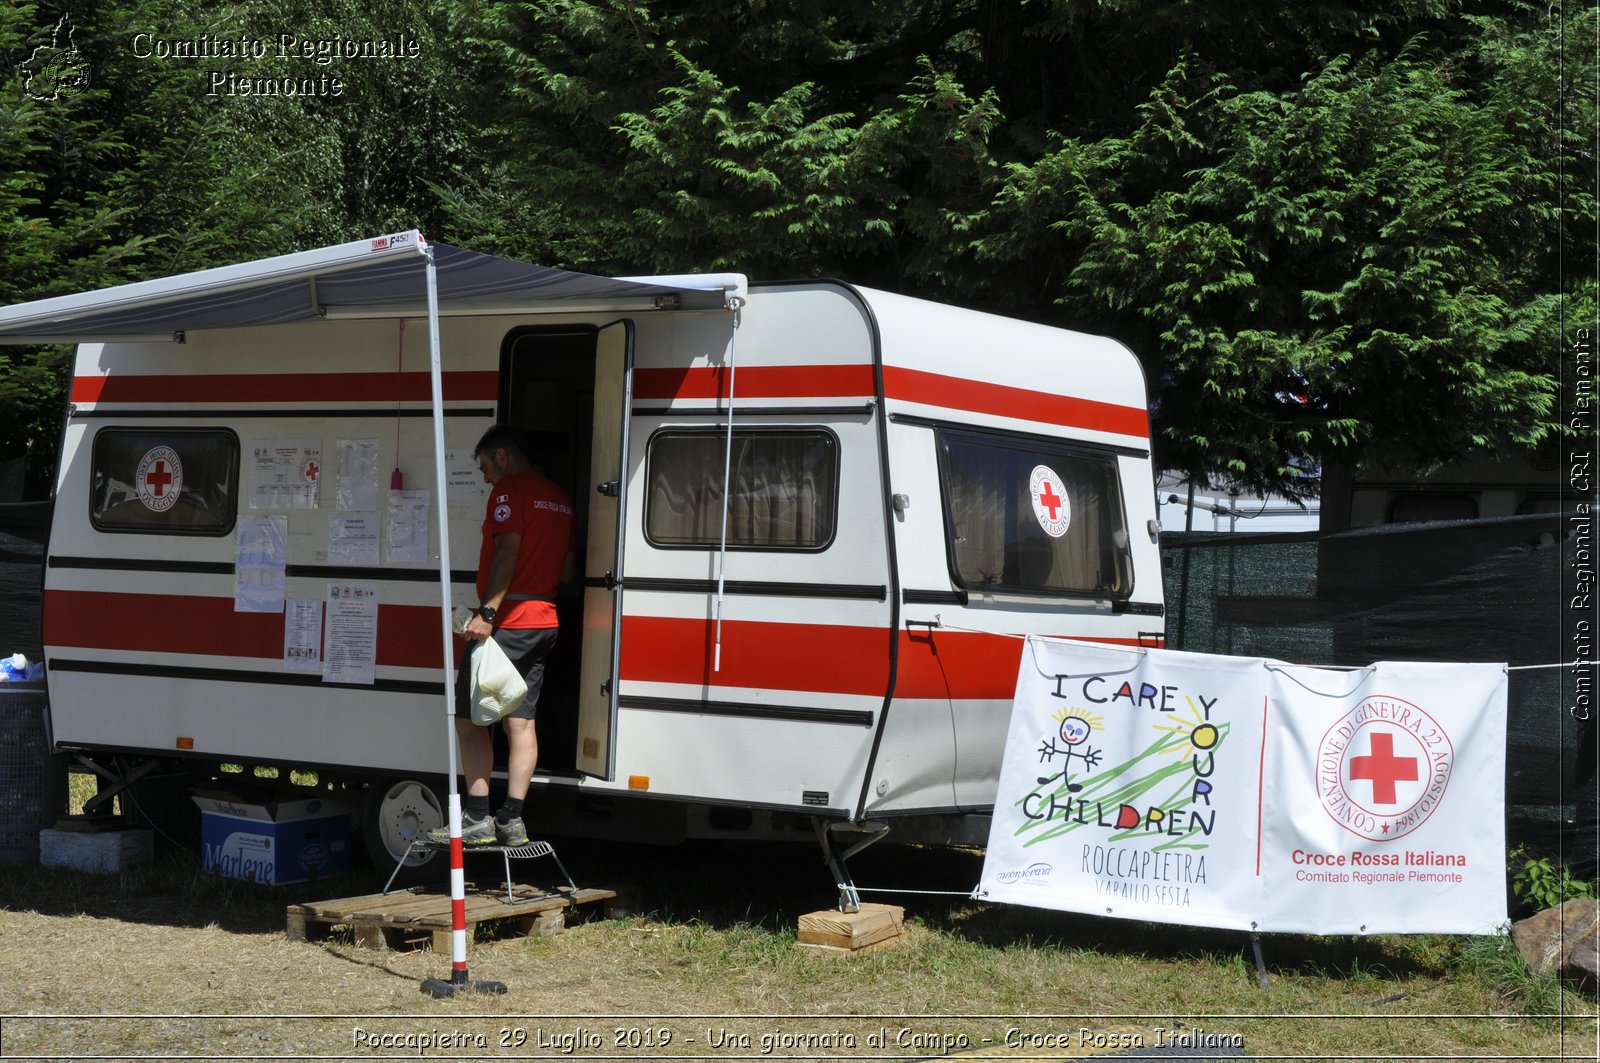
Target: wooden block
{"x": 370, "y": 936}
{"x": 885, "y": 945}
{"x": 545, "y": 923}
{"x": 299, "y": 929}
{"x": 852, "y": 930}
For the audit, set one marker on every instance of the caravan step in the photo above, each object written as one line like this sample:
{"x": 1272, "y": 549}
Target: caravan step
{"x": 382, "y": 919}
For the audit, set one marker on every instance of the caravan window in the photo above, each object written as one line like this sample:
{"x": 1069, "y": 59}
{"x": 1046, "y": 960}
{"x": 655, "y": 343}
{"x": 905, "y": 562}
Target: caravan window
{"x": 784, "y": 497}
{"x": 1033, "y": 517}
{"x": 172, "y": 481}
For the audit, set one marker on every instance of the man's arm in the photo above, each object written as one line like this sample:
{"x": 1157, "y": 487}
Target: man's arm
{"x": 501, "y": 567}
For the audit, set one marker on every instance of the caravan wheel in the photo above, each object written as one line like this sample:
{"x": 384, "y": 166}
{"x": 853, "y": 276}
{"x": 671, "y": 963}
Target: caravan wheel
{"x": 398, "y": 810}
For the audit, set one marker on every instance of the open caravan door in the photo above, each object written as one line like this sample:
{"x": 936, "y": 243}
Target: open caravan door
{"x": 602, "y": 568}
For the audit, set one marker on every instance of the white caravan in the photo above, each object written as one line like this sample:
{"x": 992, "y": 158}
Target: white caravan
{"x": 816, "y": 518}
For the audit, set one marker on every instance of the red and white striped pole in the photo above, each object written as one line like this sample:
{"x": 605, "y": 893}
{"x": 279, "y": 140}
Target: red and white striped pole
{"x": 459, "y": 981}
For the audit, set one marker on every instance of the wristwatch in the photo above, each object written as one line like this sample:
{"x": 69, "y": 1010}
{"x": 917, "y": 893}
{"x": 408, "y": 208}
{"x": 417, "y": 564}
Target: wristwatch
{"x": 488, "y": 613}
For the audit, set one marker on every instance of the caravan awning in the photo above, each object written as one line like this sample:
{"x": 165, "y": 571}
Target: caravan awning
{"x": 380, "y": 277}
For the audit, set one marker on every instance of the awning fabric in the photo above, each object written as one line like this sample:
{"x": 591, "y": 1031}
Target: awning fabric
{"x": 381, "y": 276}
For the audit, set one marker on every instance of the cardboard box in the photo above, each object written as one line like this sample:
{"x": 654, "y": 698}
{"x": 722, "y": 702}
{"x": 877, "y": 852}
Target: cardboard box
{"x": 273, "y": 841}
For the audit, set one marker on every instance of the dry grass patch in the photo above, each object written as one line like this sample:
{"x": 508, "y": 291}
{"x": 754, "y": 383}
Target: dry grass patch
{"x": 714, "y": 961}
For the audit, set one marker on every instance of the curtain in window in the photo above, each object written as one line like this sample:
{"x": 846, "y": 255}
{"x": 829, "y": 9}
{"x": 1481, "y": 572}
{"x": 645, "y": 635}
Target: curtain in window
{"x": 782, "y": 490}
{"x": 998, "y": 540}
{"x": 204, "y": 482}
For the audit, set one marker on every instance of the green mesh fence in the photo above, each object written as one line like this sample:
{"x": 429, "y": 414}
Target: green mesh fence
{"x": 1486, "y": 590}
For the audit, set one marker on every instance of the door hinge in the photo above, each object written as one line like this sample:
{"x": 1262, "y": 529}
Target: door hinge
{"x": 609, "y": 488}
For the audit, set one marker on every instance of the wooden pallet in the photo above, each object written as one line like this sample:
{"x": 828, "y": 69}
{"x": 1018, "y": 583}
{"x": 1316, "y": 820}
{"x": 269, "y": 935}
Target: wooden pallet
{"x": 381, "y": 920}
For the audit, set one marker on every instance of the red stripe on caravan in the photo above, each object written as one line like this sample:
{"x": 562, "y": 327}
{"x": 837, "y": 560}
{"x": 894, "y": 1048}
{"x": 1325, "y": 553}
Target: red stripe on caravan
{"x": 823, "y": 659}
{"x": 965, "y": 665}
{"x": 408, "y": 635}
{"x": 1002, "y": 400}
{"x": 215, "y": 388}
{"x": 754, "y": 382}
{"x": 763, "y": 656}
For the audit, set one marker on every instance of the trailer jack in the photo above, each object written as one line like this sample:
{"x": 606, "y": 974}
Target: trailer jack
{"x": 849, "y": 896}
{"x": 119, "y": 783}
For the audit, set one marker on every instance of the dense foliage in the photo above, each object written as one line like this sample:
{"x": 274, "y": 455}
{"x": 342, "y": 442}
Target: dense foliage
{"x": 1333, "y": 231}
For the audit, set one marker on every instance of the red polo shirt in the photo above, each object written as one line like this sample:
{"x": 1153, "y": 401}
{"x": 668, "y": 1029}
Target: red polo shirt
{"x": 533, "y": 506}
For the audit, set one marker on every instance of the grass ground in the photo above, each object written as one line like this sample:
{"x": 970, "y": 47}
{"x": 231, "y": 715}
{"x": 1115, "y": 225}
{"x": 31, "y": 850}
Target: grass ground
{"x": 166, "y": 960}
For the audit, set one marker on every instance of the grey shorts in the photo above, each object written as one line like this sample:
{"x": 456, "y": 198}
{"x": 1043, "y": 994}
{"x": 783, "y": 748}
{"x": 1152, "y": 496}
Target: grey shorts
{"x": 527, "y": 648}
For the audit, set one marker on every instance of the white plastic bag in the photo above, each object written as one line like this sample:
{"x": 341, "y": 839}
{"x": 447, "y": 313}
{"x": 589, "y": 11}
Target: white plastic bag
{"x": 497, "y": 687}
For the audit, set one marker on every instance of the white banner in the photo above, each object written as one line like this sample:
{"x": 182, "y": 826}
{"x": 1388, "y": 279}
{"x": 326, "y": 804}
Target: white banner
{"x": 1241, "y": 793}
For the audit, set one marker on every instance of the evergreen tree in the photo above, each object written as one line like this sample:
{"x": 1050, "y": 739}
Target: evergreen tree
{"x": 1331, "y": 230}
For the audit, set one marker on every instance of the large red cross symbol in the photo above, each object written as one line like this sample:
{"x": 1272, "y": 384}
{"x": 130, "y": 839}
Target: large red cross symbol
{"x": 1383, "y": 768}
{"x": 1049, "y": 499}
{"x": 158, "y": 478}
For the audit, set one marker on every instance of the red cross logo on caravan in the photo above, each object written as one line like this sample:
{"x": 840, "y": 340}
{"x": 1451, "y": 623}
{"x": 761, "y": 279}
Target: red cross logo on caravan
{"x": 1050, "y": 503}
{"x": 159, "y": 479}
{"x": 1382, "y": 769}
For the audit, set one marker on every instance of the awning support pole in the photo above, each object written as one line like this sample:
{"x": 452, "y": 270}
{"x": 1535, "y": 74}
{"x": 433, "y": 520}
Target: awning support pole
{"x": 459, "y": 982}
{"x": 734, "y": 304}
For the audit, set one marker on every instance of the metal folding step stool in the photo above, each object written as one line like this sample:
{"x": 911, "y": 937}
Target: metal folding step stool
{"x": 521, "y": 852}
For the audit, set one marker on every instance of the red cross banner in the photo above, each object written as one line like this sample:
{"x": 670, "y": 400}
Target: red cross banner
{"x": 1387, "y": 786}
{"x": 1237, "y": 792}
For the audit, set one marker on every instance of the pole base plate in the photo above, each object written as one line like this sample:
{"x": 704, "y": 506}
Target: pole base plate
{"x": 439, "y": 988}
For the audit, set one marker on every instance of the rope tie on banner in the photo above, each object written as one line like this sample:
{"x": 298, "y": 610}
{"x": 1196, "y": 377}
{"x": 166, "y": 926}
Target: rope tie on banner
{"x": 1058, "y": 677}
{"x": 1368, "y": 670}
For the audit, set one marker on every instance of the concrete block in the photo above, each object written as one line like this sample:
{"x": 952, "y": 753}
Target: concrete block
{"x": 99, "y": 852}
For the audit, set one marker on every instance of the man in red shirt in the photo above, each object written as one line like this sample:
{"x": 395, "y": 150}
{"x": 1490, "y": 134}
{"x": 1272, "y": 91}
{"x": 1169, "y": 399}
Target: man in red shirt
{"x": 527, "y": 551}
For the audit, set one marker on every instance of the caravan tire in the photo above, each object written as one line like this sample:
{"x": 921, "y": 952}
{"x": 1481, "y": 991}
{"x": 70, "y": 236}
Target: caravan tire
{"x": 397, "y": 811}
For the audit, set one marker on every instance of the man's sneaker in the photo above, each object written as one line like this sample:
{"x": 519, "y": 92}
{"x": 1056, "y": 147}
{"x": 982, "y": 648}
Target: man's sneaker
{"x": 474, "y": 832}
{"x": 512, "y": 834}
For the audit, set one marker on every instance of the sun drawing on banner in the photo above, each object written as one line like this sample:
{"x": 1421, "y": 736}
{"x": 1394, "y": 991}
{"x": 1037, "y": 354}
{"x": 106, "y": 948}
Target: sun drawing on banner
{"x": 1199, "y": 733}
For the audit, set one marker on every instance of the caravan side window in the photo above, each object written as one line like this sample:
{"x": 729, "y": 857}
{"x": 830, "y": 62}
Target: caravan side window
{"x": 1032, "y": 517}
{"x": 784, "y": 495}
{"x": 165, "y": 481}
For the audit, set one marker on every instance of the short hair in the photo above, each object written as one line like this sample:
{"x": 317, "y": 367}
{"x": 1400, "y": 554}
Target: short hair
{"x": 502, "y": 436}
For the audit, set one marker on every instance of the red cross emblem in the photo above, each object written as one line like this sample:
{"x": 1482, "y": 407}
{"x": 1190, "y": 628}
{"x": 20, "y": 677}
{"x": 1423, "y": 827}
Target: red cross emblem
{"x": 1052, "y": 510}
{"x": 159, "y": 478}
{"x": 1050, "y": 500}
{"x": 1383, "y": 769}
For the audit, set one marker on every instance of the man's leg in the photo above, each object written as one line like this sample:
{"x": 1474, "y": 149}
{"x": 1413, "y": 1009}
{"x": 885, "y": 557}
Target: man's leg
{"x": 522, "y": 737}
{"x": 477, "y": 756}
{"x": 477, "y": 760}
{"x": 524, "y": 756}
